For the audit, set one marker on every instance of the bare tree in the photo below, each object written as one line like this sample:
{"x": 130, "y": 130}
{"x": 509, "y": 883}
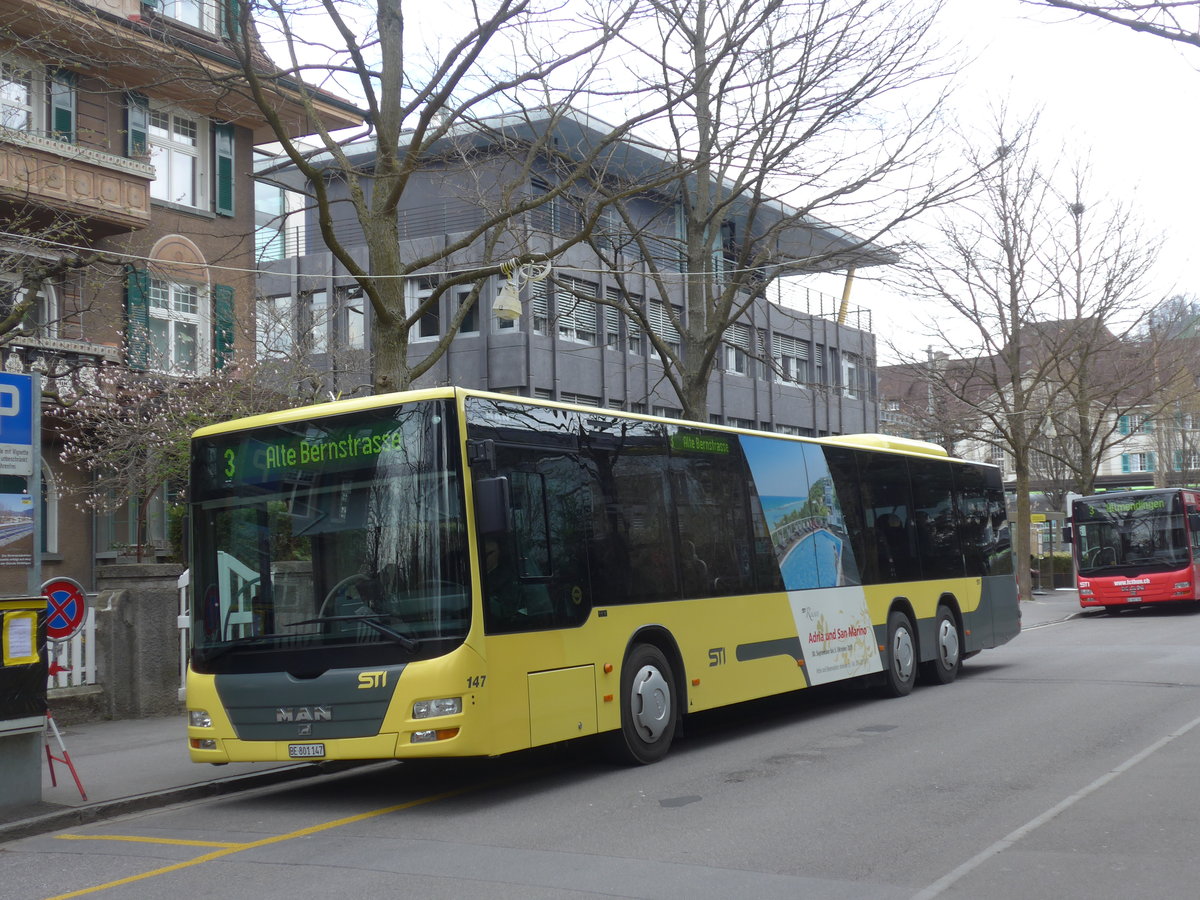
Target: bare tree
{"x": 1174, "y": 20}
{"x": 781, "y": 115}
{"x": 482, "y": 99}
{"x": 1103, "y": 261}
{"x": 131, "y": 431}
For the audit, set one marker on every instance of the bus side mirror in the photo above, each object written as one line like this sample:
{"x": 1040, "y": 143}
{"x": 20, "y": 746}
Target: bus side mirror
{"x": 492, "y": 506}
{"x": 1068, "y": 534}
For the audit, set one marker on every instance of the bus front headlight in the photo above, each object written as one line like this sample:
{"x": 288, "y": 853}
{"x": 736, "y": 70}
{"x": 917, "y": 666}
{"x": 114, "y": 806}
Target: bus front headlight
{"x": 443, "y": 706}
{"x": 199, "y": 718}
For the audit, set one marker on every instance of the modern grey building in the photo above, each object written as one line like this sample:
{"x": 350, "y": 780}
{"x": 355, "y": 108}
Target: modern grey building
{"x": 797, "y": 362}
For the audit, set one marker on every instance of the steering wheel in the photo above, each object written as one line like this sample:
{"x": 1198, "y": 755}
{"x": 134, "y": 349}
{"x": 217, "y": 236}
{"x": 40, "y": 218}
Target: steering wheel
{"x": 342, "y": 588}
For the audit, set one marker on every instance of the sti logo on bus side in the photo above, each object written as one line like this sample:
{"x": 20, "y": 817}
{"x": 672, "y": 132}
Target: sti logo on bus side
{"x": 304, "y": 714}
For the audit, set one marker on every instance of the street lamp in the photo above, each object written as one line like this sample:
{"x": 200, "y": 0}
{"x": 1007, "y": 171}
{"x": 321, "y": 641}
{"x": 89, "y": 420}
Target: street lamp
{"x": 507, "y": 304}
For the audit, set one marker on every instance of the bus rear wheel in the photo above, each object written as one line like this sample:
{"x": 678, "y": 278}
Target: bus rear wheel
{"x": 648, "y": 707}
{"x": 901, "y": 656}
{"x": 947, "y": 659}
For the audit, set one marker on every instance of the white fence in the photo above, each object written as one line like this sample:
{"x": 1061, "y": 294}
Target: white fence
{"x": 76, "y": 658}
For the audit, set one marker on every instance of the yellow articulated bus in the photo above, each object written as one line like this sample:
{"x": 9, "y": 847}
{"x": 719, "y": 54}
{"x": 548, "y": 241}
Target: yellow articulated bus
{"x": 455, "y": 573}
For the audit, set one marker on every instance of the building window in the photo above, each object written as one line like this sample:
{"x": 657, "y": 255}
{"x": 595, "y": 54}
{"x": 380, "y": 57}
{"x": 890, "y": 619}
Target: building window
{"x": 429, "y": 325}
{"x": 42, "y": 313}
{"x": 852, "y": 374}
{"x": 539, "y": 306}
{"x": 1134, "y": 423}
{"x": 612, "y": 328}
{"x": 737, "y": 348}
{"x": 178, "y": 336}
{"x": 576, "y": 309}
{"x": 316, "y": 321}
{"x": 201, "y": 14}
{"x": 470, "y": 321}
{"x": 352, "y": 317}
{"x": 275, "y": 326}
{"x": 661, "y": 325}
{"x": 176, "y": 151}
{"x": 579, "y": 399}
{"x": 1137, "y": 462}
{"x": 791, "y": 358}
{"x": 613, "y": 317}
{"x": 19, "y": 90}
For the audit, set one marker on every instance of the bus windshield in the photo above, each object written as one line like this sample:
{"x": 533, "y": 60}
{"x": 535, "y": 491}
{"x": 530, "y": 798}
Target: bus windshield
{"x": 1144, "y": 533}
{"x": 332, "y": 541}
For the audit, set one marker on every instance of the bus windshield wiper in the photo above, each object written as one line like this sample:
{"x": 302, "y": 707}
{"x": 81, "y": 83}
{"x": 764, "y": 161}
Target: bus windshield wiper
{"x": 371, "y": 621}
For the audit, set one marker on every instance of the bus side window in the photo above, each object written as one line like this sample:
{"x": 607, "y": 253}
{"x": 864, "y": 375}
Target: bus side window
{"x": 887, "y": 501}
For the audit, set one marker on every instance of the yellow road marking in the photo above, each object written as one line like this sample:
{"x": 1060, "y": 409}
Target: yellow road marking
{"x": 266, "y": 842}
{"x": 144, "y": 840}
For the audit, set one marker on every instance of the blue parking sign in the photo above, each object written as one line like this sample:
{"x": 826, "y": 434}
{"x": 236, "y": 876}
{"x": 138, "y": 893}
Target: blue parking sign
{"x": 16, "y": 424}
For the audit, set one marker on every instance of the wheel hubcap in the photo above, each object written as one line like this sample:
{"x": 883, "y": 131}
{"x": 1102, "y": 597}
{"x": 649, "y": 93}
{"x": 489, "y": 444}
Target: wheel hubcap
{"x": 650, "y": 701}
{"x": 902, "y": 654}
{"x": 948, "y": 643}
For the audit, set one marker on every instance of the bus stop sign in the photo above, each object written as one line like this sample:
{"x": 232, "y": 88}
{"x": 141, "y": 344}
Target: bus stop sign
{"x": 66, "y": 608}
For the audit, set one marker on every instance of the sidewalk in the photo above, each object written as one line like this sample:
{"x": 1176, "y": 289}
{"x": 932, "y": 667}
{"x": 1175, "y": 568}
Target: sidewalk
{"x": 131, "y": 765}
{"x": 1049, "y": 606}
{"x": 143, "y": 763}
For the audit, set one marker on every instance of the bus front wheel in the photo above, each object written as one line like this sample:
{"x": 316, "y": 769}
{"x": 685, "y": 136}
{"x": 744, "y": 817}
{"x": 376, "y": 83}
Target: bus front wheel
{"x": 901, "y": 672}
{"x": 648, "y": 707}
{"x": 947, "y": 659}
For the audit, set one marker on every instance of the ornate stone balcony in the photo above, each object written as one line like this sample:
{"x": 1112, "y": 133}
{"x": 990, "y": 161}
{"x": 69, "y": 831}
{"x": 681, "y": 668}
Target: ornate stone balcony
{"x": 111, "y": 192}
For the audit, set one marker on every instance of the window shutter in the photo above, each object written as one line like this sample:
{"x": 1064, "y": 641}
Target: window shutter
{"x": 137, "y": 125}
{"x": 223, "y": 147}
{"x": 1178, "y": 460}
{"x": 1125, "y": 466}
{"x": 539, "y": 306}
{"x": 222, "y": 295}
{"x": 62, "y": 105}
{"x": 137, "y": 318}
{"x": 1150, "y": 467}
{"x": 231, "y": 19}
{"x": 1123, "y": 426}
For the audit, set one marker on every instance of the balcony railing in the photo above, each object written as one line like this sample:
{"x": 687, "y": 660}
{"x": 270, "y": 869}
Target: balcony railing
{"x": 103, "y": 188}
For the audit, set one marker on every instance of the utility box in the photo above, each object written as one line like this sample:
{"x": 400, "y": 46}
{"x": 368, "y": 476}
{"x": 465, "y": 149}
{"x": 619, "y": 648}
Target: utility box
{"x": 23, "y": 666}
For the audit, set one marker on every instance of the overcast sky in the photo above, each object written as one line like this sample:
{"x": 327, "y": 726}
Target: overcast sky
{"x": 1129, "y": 99}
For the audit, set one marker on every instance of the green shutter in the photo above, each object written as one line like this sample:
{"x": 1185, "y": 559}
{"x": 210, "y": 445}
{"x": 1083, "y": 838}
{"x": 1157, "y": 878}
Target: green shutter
{"x": 1123, "y": 425}
{"x": 223, "y": 145}
{"x": 137, "y": 318}
{"x": 231, "y": 19}
{"x": 137, "y": 125}
{"x": 1178, "y": 460}
{"x": 62, "y": 105}
{"x": 1125, "y": 467}
{"x": 1151, "y": 462}
{"x": 222, "y": 325}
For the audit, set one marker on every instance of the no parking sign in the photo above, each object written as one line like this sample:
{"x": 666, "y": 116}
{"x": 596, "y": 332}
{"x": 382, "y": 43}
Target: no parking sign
{"x": 66, "y": 608}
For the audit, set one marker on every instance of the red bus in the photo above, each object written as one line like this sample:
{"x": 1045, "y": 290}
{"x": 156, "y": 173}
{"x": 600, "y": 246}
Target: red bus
{"x": 1137, "y": 547}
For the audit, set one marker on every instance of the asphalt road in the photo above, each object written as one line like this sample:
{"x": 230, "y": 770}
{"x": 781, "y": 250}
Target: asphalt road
{"x": 1061, "y": 765}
